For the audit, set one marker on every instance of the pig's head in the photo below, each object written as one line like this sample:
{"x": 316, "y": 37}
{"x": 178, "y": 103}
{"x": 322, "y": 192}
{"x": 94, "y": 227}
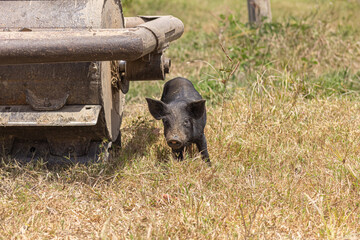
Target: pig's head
{"x": 179, "y": 119}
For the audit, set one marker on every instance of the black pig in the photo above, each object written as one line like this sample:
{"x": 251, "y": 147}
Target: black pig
{"x": 183, "y": 113}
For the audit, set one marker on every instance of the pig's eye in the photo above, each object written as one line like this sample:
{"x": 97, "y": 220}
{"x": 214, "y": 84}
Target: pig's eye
{"x": 187, "y": 123}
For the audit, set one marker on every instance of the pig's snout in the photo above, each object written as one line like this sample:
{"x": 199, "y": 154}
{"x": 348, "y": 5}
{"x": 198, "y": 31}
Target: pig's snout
{"x": 174, "y": 143}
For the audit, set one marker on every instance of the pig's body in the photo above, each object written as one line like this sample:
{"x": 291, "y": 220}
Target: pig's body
{"x": 183, "y": 113}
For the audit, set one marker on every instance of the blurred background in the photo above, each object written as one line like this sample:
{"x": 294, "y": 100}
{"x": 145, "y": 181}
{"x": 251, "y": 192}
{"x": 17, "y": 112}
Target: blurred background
{"x": 312, "y": 44}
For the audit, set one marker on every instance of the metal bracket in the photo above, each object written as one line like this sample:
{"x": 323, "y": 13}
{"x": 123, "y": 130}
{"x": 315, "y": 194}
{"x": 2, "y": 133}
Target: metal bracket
{"x": 124, "y": 83}
{"x": 45, "y": 104}
{"x": 153, "y": 66}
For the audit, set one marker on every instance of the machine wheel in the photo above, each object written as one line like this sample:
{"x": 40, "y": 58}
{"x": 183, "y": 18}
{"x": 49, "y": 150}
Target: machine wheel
{"x": 113, "y": 100}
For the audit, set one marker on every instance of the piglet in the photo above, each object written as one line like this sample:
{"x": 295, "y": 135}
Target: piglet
{"x": 183, "y": 113}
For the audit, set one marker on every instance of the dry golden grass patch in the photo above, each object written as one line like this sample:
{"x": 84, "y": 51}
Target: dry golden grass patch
{"x": 280, "y": 170}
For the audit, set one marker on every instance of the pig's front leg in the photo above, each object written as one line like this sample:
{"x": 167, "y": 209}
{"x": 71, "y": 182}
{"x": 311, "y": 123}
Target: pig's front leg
{"x": 178, "y": 154}
{"x": 202, "y": 146}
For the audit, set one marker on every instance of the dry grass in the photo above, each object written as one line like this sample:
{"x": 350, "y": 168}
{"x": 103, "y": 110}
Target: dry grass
{"x": 284, "y": 143}
{"x": 280, "y": 170}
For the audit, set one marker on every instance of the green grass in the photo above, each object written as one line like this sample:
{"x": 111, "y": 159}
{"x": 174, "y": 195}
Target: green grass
{"x": 283, "y": 133}
{"x": 309, "y": 41}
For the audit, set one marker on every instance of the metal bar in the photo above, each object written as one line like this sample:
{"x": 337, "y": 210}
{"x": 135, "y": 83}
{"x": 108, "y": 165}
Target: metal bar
{"x": 89, "y": 45}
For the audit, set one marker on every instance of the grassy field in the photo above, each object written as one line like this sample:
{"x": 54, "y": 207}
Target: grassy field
{"x": 283, "y": 133}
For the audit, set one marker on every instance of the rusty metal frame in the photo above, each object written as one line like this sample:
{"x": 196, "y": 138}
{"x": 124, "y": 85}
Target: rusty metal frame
{"x": 72, "y": 115}
{"x": 74, "y": 45}
{"x": 60, "y": 73}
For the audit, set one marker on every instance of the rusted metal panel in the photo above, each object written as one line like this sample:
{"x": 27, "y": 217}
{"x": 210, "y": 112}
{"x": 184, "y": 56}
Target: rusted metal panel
{"x": 27, "y": 142}
{"x": 81, "y": 81}
{"x": 36, "y": 133}
{"x": 71, "y": 115}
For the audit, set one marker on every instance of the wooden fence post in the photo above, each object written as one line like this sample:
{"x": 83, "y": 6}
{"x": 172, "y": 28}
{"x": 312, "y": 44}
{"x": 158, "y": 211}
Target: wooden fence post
{"x": 258, "y": 10}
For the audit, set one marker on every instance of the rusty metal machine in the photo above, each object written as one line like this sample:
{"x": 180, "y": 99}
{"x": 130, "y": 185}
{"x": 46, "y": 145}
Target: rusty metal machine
{"x": 65, "y": 66}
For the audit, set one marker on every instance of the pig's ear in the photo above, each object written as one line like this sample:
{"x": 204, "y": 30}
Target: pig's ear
{"x": 157, "y": 108}
{"x": 197, "y": 108}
